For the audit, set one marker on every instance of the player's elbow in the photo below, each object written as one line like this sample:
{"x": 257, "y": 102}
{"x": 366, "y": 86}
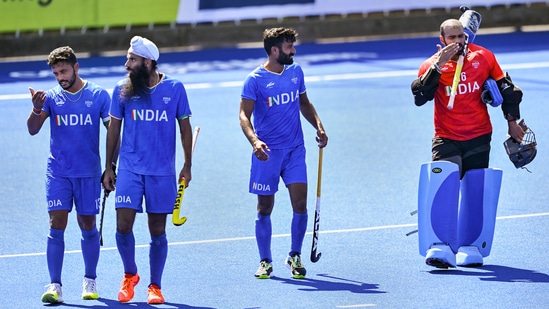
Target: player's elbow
{"x": 422, "y": 94}
{"x": 33, "y": 130}
{"x": 419, "y": 100}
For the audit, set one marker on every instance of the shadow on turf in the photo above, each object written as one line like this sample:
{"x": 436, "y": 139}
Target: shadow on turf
{"x": 498, "y": 273}
{"x": 111, "y": 303}
{"x": 338, "y": 284}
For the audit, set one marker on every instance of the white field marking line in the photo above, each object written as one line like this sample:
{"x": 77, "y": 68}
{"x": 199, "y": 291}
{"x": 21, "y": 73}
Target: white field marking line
{"x": 318, "y": 78}
{"x": 219, "y": 240}
{"x": 357, "y": 306}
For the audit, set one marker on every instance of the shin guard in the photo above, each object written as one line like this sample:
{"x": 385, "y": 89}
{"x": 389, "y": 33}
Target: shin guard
{"x": 477, "y": 213}
{"x": 438, "y": 199}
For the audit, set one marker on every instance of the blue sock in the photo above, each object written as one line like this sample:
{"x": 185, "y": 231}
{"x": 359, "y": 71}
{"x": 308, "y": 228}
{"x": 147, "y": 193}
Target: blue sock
{"x": 54, "y": 254}
{"x": 126, "y": 248}
{"x": 158, "y": 252}
{"x": 263, "y": 233}
{"x": 90, "y": 251}
{"x": 299, "y": 227}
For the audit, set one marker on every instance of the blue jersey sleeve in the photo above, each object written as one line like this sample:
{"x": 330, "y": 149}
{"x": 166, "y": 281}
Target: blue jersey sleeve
{"x": 116, "y": 110}
{"x": 249, "y": 89}
{"x": 183, "y": 107}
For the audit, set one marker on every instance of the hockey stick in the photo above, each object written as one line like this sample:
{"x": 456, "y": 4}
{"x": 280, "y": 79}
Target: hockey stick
{"x": 105, "y": 195}
{"x": 314, "y": 256}
{"x": 176, "y": 219}
{"x": 457, "y": 74}
{"x": 470, "y": 20}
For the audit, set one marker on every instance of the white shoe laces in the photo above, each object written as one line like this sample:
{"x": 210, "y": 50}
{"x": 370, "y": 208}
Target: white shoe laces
{"x": 54, "y": 288}
{"x": 89, "y": 285}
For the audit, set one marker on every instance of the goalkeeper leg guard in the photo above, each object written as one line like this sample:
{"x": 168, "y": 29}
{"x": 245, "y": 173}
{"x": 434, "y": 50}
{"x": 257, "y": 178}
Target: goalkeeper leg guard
{"x": 438, "y": 198}
{"x": 477, "y": 215}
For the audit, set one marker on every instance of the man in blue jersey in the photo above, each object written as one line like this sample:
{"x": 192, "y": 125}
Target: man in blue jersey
{"x": 149, "y": 104}
{"x": 275, "y": 94}
{"x": 76, "y": 109}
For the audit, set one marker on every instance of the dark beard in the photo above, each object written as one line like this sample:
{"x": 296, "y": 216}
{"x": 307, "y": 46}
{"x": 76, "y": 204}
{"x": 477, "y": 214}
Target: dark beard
{"x": 136, "y": 83}
{"x": 284, "y": 59}
{"x": 71, "y": 81}
{"x": 461, "y": 48}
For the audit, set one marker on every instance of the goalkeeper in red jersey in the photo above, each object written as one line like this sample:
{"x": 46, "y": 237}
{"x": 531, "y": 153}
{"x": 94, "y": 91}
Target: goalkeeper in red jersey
{"x": 458, "y": 192}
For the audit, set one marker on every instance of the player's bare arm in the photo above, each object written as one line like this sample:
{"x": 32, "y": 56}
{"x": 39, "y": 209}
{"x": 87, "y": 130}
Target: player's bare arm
{"x": 186, "y": 133}
{"x": 113, "y": 144}
{"x": 260, "y": 148}
{"x": 309, "y": 112}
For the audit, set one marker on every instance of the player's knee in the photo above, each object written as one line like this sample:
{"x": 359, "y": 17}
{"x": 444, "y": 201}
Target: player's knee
{"x": 264, "y": 211}
{"x": 124, "y": 227}
{"x": 86, "y": 223}
{"x": 265, "y": 204}
{"x": 58, "y": 219}
{"x": 300, "y": 207}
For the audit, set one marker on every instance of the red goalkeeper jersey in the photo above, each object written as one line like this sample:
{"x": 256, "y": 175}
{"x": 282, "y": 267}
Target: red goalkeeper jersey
{"x": 469, "y": 118}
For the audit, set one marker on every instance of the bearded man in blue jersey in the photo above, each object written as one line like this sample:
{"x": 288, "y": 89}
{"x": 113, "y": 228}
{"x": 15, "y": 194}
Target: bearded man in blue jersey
{"x": 275, "y": 94}
{"x": 76, "y": 109}
{"x": 150, "y": 104}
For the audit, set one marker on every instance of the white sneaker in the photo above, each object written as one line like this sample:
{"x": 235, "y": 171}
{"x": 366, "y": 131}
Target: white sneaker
{"x": 440, "y": 256}
{"x": 53, "y": 295}
{"x": 296, "y": 266}
{"x": 89, "y": 289}
{"x": 469, "y": 256}
{"x": 264, "y": 271}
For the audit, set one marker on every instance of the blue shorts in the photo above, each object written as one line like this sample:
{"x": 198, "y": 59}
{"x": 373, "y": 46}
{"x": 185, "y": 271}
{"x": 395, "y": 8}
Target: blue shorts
{"x": 286, "y": 163}
{"x": 84, "y": 193}
{"x": 159, "y": 192}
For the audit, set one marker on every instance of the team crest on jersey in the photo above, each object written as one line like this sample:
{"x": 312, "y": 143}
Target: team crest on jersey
{"x": 294, "y": 80}
{"x": 166, "y": 100}
{"x": 88, "y": 103}
{"x": 476, "y": 64}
